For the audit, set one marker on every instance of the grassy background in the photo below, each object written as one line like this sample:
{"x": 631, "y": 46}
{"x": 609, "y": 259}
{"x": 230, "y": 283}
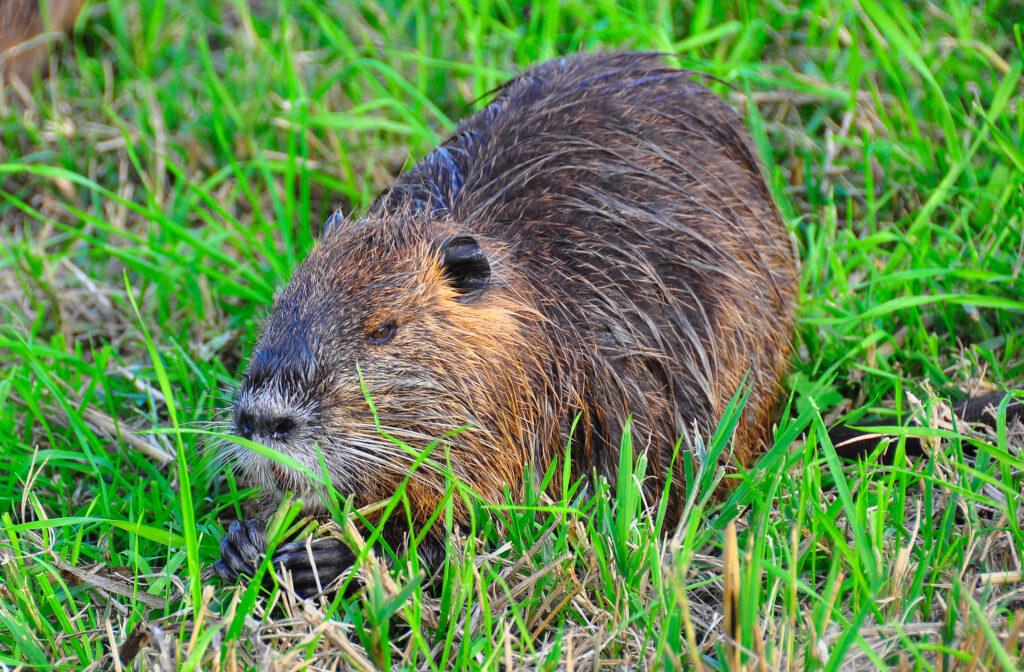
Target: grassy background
{"x": 157, "y": 189}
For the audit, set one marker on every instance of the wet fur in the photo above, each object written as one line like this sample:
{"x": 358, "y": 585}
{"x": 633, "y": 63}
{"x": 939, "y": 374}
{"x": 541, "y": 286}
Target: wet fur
{"x": 639, "y": 267}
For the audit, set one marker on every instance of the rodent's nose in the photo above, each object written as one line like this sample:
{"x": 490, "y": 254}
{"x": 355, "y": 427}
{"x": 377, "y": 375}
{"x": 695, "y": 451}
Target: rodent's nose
{"x": 253, "y": 424}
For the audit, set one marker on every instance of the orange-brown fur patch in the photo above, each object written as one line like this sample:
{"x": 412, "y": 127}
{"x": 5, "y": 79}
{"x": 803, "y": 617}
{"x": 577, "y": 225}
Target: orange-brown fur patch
{"x": 23, "y": 20}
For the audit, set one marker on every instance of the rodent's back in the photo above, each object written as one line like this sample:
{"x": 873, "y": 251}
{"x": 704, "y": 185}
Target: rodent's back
{"x": 597, "y": 244}
{"x": 22, "y": 20}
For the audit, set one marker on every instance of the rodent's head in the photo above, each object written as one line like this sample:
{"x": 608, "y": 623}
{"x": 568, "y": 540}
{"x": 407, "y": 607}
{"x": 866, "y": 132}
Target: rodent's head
{"x": 417, "y": 311}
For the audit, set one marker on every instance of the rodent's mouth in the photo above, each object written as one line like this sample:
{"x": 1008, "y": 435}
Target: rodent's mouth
{"x": 285, "y": 481}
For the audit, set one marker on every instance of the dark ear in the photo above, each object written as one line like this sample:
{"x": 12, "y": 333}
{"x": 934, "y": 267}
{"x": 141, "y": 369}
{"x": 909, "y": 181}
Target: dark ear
{"x": 465, "y": 266}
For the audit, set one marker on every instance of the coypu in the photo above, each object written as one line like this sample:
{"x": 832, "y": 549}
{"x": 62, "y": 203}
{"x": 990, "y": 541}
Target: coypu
{"x": 599, "y": 241}
{"x": 597, "y": 244}
{"x": 24, "y": 20}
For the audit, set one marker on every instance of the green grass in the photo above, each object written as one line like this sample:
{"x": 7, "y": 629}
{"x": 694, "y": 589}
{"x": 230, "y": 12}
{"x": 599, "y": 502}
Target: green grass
{"x": 159, "y": 188}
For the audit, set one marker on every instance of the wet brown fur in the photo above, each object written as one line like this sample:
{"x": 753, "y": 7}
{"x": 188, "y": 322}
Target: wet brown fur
{"x": 639, "y": 266}
{"x": 23, "y": 20}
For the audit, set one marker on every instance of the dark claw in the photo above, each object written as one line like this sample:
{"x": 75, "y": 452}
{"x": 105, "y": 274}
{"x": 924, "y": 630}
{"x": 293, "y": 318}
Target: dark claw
{"x": 241, "y": 549}
{"x": 245, "y": 544}
{"x": 331, "y": 558}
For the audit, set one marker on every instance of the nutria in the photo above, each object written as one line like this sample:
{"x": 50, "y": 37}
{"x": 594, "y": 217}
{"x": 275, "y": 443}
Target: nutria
{"x": 597, "y": 244}
{"x": 24, "y": 20}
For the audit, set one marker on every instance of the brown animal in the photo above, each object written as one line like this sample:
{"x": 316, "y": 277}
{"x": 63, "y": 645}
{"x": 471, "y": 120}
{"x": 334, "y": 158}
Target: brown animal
{"x": 596, "y": 244}
{"x": 22, "y": 24}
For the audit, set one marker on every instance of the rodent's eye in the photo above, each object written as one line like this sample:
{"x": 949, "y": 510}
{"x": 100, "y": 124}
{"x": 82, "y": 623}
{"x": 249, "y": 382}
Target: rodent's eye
{"x": 382, "y": 334}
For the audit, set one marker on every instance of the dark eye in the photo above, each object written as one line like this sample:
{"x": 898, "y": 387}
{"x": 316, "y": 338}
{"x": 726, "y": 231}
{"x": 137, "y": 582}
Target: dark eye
{"x": 382, "y": 334}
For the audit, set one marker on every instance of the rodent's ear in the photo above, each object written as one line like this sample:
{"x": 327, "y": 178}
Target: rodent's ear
{"x": 465, "y": 265}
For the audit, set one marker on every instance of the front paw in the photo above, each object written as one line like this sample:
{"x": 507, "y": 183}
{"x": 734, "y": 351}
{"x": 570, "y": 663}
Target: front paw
{"x": 314, "y": 567}
{"x": 242, "y": 549}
